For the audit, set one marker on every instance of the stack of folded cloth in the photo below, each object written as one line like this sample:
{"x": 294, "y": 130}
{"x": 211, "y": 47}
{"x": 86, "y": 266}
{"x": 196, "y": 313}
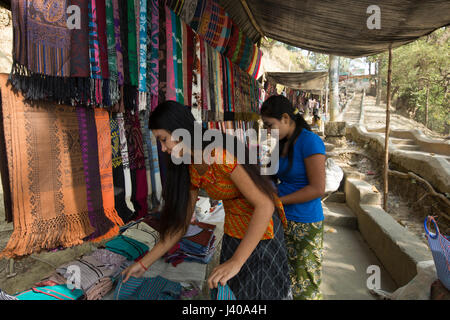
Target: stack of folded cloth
{"x": 197, "y": 245}
{"x": 95, "y": 273}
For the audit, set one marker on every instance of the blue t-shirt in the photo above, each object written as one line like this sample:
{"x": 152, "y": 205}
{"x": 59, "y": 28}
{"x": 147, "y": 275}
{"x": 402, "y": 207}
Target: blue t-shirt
{"x": 307, "y": 144}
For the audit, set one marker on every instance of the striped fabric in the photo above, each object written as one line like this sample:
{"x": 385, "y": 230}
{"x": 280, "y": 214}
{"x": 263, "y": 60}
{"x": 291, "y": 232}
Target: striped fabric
{"x": 5, "y": 296}
{"x": 91, "y": 271}
{"x": 58, "y": 292}
{"x": 440, "y": 249}
{"x": 222, "y": 293}
{"x": 129, "y": 248}
{"x": 143, "y": 233}
{"x": 156, "y": 288}
{"x": 142, "y": 55}
{"x": 238, "y": 211}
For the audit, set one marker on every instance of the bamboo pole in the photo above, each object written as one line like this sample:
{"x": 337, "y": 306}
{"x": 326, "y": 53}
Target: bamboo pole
{"x": 388, "y": 118}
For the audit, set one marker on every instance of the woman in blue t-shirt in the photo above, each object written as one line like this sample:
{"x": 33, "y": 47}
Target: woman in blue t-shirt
{"x": 301, "y": 175}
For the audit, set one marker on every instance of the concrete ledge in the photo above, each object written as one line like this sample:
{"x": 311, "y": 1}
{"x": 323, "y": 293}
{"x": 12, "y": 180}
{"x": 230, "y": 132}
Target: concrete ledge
{"x": 435, "y": 169}
{"x": 339, "y": 214}
{"x": 398, "y": 249}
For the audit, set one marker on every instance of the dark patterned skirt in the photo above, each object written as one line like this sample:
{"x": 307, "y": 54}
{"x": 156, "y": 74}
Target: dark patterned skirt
{"x": 265, "y": 274}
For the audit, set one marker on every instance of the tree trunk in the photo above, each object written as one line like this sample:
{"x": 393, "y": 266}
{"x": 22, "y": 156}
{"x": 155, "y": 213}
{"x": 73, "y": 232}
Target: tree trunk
{"x": 388, "y": 119}
{"x": 426, "y": 106}
{"x": 379, "y": 82}
{"x": 334, "y": 87}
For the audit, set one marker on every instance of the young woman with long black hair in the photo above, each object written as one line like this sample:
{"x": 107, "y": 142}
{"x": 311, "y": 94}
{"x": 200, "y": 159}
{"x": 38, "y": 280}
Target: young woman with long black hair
{"x": 253, "y": 254}
{"x": 301, "y": 173}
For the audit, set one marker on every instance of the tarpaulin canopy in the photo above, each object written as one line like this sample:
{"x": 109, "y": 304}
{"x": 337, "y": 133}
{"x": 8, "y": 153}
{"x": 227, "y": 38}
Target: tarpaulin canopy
{"x": 339, "y": 27}
{"x": 312, "y": 80}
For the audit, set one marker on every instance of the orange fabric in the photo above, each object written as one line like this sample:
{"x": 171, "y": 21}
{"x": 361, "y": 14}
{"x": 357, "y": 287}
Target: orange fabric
{"x": 105, "y": 167}
{"x": 217, "y": 183}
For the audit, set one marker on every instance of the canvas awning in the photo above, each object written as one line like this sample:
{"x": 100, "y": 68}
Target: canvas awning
{"x": 339, "y": 27}
{"x": 308, "y": 81}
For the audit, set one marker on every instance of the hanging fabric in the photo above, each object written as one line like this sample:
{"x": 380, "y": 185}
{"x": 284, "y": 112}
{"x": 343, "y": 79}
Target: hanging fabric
{"x": 119, "y": 56}
{"x": 153, "y": 53}
{"x": 143, "y": 36}
{"x": 49, "y": 191}
{"x": 112, "y": 56}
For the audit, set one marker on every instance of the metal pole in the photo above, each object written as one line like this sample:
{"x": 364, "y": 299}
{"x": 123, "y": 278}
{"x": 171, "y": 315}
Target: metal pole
{"x": 388, "y": 118}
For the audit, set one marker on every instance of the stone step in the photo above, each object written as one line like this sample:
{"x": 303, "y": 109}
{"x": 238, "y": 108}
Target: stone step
{"x": 402, "y": 141}
{"x": 338, "y": 197}
{"x": 409, "y": 147}
{"x": 338, "y": 214}
{"x": 329, "y": 147}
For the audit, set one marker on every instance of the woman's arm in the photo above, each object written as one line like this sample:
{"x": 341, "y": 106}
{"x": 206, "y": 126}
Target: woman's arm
{"x": 257, "y": 226}
{"x": 315, "y": 171}
{"x": 161, "y": 247}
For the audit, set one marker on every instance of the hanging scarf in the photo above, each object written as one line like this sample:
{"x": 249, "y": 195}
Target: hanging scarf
{"x": 185, "y": 81}
{"x": 147, "y": 157}
{"x": 162, "y": 53}
{"x": 123, "y": 22}
{"x": 178, "y": 57}
{"x": 103, "y": 45}
{"x": 48, "y": 188}
{"x": 153, "y": 53}
{"x": 143, "y": 55}
{"x": 35, "y": 71}
{"x": 206, "y": 104}
{"x": 104, "y": 228}
{"x": 120, "y": 68}
{"x": 190, "y": 51}
{"x": 187, "y": 11}
{"x": 94, "y": 53}
{"x": 196, "y": 100}
{"x": 105, "y": 167}
{"x": 112, "y": 56}
{"x": 132, "y": 44}
{"x": 125, "y": 161}
{"x": 198, "y": 14}
{"x": 118, "y": 174}
{"x": 79, "y": 55}
{"x": 212, "y": 84}
{"x": 171, "y": 52}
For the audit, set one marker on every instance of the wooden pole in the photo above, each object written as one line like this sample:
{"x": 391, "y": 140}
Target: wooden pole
{"x": 388, "y": 118}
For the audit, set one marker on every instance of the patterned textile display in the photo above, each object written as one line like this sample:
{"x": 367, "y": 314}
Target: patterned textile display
{"x": 215, "y": 26}
{"x": 132, "y": 44}
{"x": 4, "y": 171}
{"x": 177, "y": 57}
{"x": 162, "y": 53}
{"x": 49, "y": 190}
{"x": 147, "y": 289}
{"x": 170, "y": 52}
{"x": 94, "y": 53}
{"x": 105, "y": 168}
{"x": 147, "y": 156}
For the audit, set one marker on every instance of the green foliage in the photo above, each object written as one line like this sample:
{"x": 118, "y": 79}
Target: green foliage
{"x": 416, "y": 66}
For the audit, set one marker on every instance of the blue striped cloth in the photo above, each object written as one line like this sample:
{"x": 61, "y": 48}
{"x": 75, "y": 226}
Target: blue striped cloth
{"x": 222, "y": 293}
{"x": 58, "y": 292}
{"x": 157, "y": 288}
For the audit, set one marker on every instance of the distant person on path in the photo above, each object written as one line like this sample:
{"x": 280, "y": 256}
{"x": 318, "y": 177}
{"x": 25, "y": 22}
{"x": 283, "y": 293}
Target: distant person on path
{"x": 302, "y": 184}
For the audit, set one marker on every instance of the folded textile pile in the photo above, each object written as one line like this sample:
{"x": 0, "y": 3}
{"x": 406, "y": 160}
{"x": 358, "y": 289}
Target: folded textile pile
{"x": 127, "y": 247}
{"x": 57, "y": 292}
{"x": 197, "y": 245}
{"x": 5, "y": 296}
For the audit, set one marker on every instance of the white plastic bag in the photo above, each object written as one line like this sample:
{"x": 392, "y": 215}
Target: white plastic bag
{"x": 333, "y": 175}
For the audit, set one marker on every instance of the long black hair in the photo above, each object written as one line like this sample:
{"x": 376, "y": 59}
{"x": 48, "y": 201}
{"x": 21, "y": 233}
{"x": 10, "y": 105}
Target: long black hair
{"x": 171, "y": 115}
{"x": 274, "y": 107}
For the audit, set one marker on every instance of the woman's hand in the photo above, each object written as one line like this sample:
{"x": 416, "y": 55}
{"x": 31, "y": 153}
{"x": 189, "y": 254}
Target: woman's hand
{"x": 135, "y": 270}
{"x": 224, "y": 272}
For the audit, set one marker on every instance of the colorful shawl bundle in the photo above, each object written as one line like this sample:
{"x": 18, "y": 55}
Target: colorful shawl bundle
{"x": 198, "y": 14}
{"x": 170, "y": 53}
{"x": 48, "y": 189}
{"x": 43, "y": 53}
{"x": 215, "y": 26}
{"x": 162, "y": 53}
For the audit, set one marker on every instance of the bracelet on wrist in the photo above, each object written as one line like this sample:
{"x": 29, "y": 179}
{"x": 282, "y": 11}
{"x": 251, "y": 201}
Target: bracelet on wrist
{"x": 142, "y": 265}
